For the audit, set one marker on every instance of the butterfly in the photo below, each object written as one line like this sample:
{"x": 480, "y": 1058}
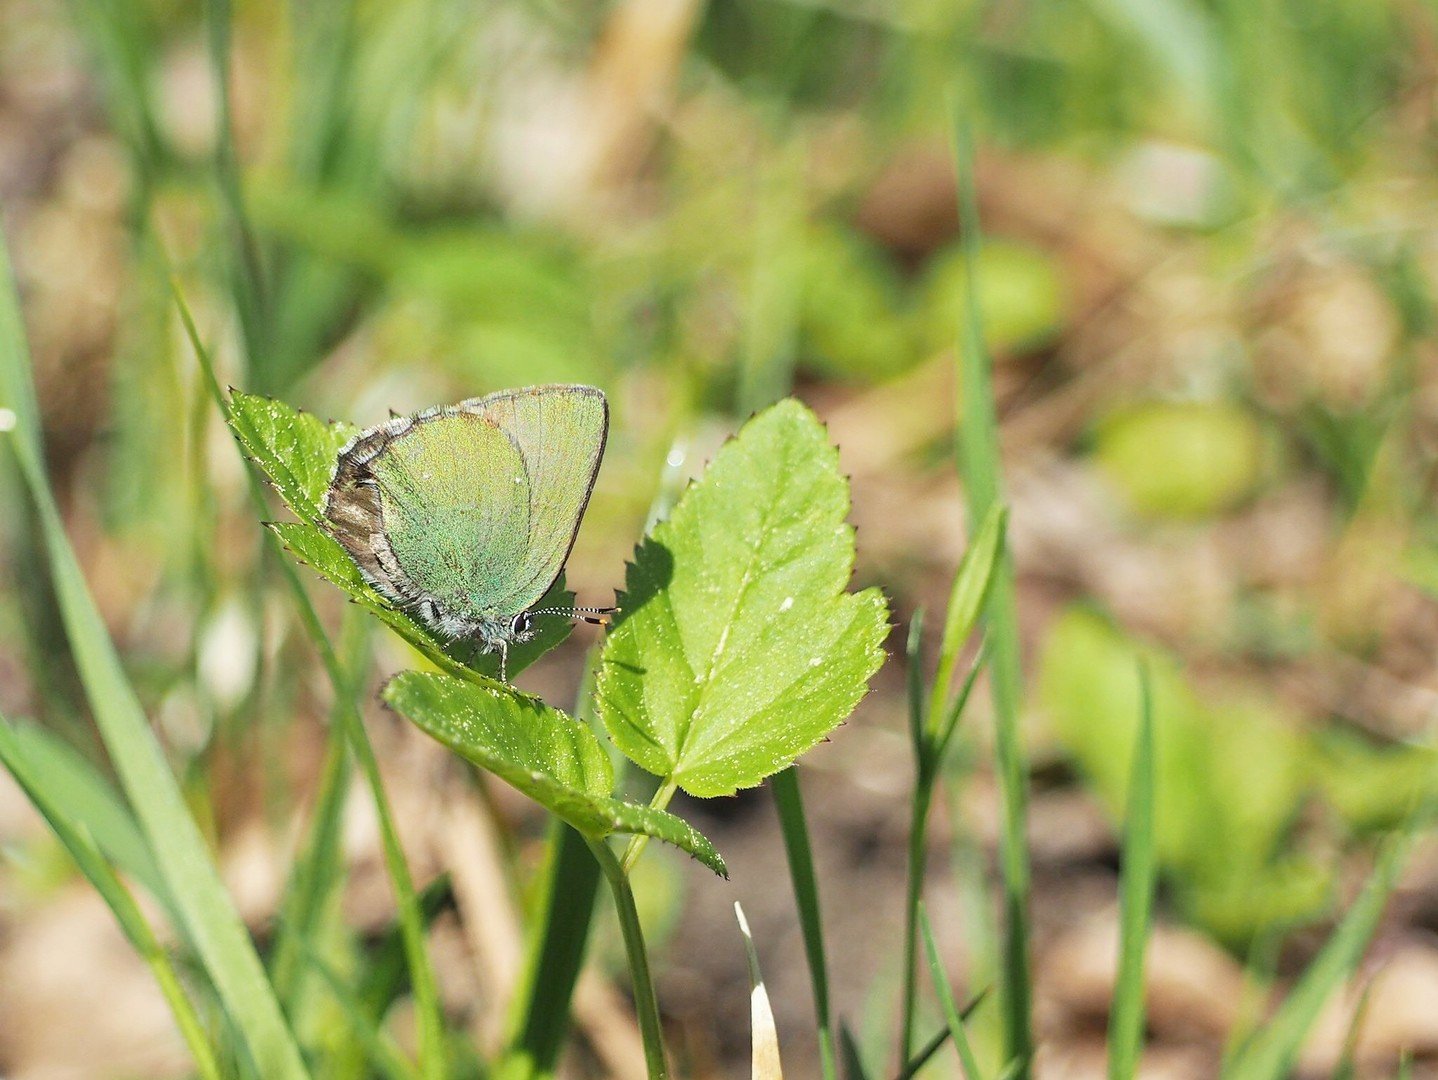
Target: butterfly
{"x": 464, "y": 515}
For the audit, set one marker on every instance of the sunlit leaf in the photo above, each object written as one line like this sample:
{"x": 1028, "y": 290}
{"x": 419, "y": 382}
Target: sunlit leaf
{"x": 555, "y": 760}
{"x": 738, "y": 647}
{"x": 296, "y": 450}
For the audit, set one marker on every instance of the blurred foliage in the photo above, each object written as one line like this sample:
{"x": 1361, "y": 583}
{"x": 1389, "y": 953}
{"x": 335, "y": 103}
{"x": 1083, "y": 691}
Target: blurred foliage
{"x": 1235, "y": 775}
{"x": 1207, "y": 280}
{"x": 1230, "y": 776}
{"x": 1183, "y": 460}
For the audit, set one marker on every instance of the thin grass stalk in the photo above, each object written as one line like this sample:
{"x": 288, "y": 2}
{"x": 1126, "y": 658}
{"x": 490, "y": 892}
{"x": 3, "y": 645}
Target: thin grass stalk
{"x": 800, "y": 855}
{"x": 1270, "y": 1055}
{"x": 646, "y": 1005}
{"x": 210, "y": 920}
{"x": 918, "y": 826}
{"x": 920, "y": 801}
{"x": 1140, "y": 871}
{"x": 312, "y": 877}
{"x": 432, "y": 1051}
{"x": 967, "y": 1062}
{"x": 247, "y": 274}
{"x": 117, "y": 896}
{"x": 981, "y": 470}
{"x": 931, "y": 740}
{"x": 380, "y": 1049}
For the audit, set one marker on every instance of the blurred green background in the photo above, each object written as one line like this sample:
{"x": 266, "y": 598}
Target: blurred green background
{"x": 1208, "y": 282}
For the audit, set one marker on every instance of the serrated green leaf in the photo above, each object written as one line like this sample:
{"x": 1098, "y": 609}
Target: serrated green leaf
{"x": 295, "y": 449}
{"x": 554, "y": 759}
{"x": 511, "y": 734}
{"x": 737, "y": 647}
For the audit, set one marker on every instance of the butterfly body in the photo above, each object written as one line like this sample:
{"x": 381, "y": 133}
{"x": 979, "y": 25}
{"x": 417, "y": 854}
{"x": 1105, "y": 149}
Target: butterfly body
{"x": 464, "y": 515}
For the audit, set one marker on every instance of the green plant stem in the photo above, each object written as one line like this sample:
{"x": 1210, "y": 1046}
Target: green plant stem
{"x": 639, "y": 841}
{"x": 923, "y": 798}
{"x": 432, "y": 1054}
{"x": 646, "y": 1005}
{"x": 1136, "y": 888}
{"x": 192, "y": 1030}
{"x": 982, "y": 470}
{"x": 311, "y": 879}
{"x": 789, "y": 801}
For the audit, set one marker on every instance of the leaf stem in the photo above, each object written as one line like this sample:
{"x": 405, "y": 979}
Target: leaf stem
{"x": 638, "y": 841}
{"x": 918, "y": 838}
{"x": 646, "y": 1005}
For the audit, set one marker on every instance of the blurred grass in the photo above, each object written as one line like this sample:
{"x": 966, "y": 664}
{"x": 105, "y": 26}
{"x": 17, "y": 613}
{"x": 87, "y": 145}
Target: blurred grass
{"x": 1206, "y": 285}
{"x": 982, "y": 471}
{"x": 208, "y": 917}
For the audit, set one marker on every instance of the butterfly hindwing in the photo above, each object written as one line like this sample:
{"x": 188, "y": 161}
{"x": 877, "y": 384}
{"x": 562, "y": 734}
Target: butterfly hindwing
{"x": 468, "y": 512}
{"x": 559, "y": 433}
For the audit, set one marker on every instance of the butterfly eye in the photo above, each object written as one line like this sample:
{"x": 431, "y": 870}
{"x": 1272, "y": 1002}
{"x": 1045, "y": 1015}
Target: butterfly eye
{"x": 520, "y": 625}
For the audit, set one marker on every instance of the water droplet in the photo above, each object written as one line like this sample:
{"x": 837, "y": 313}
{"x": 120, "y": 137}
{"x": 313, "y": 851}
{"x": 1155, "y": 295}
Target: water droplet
{"x": 675, "y": 458}
{"x": 787, "y": 604}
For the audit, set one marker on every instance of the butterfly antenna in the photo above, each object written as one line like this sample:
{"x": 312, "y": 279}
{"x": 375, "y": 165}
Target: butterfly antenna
{"x": 596, "y": 616}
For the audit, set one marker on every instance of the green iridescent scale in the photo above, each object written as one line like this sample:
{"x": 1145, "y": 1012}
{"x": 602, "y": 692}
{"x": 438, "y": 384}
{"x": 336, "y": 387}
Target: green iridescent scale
{"x": 464, "y": 515}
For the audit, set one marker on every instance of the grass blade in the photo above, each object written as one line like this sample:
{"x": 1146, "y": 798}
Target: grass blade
{"x": 378, "y": 1045}
{"x": 800, "y": 855}
{"x": 966, "y": 602}
{"x": 93, "y": 805}
{"x": 555, "y": 958}
{"x": 913, "y": 657}
{"x": 980, "y": 466}
{"x": 854, "y": 1068}
{"x": 766, "y": 1037}
{"x": 246, "y": 273}
{"x": 314, "y": 875}
{"x": 1126, "y": 1019}
{"x": 429, "y": 1012}
{"x": 112, "y": 890}
{"x": 1270, "y": 1055}
{"x": 209, "y": 917}
{"x": 946, "y": 999}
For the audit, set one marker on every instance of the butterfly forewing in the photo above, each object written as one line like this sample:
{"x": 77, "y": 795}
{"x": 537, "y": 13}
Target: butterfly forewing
{"x": 456, "y": 504}
{"x": 560, "y": 433}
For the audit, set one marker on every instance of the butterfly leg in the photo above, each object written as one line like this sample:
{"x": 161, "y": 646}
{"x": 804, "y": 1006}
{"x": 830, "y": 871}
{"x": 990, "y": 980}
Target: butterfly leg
{"x": 504, "y": 661}
{"x": 474, "y": 653}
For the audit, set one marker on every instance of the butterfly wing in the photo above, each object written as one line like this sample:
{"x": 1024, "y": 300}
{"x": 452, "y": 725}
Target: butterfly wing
{"x": 469, "y": 512}
{"x": 559, "y": 433}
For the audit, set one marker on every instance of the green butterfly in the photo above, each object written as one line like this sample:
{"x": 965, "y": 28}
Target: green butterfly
{"x": 464, "y": 515}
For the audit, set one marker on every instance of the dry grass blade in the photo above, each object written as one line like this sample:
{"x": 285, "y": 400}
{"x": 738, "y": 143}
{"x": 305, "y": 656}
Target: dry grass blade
{"x": 766, "y": 1035}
